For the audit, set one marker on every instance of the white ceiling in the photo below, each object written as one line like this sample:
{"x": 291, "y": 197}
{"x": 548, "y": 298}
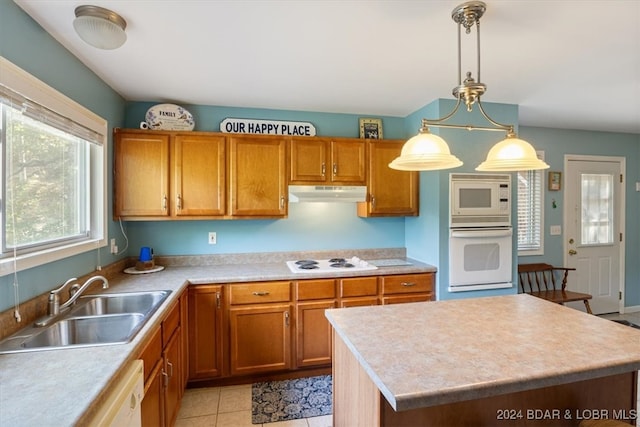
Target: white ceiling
{"x": 566, "y": 63}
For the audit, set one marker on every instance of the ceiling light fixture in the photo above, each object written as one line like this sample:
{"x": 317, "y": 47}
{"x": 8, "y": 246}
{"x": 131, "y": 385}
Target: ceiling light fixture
{"x": 427, "y": 151}
{"x": 100, "y": 27}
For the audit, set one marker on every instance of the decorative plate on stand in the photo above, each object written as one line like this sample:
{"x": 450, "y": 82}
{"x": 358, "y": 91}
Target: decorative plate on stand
{"x": 133, "y": 270}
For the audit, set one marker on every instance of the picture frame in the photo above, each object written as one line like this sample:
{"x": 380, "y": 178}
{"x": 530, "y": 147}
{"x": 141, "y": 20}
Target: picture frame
{"x": 555, "y": 181}
{"x": 371, "y": 128}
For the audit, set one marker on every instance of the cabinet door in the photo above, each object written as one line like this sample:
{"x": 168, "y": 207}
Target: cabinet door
{"x": 257, "y": 168}
{"x": 308, "y": 161}
{"x": 152, "y": 405}
{"x": 198, "y": 164}
{"x": 205, "y": 331}
{"x": 260, "y": 339}
{"x": 348, "y": 163}
{"x": 313, "y": 333}
{"x": 172, "y": 377}
{"x": 141, "y": 174}
{"x": 391, "y": 192}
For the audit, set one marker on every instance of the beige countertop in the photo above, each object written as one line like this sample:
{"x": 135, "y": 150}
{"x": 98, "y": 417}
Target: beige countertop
{"x": 427, "y": 354}
{"x": 64, "y": 387}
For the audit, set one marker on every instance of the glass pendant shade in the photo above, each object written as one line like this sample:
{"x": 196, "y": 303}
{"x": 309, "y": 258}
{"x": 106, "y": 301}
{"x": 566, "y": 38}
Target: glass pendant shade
{"x": 510, "y": 155}
{"x": 100, "y": 27}
{"x": 425, "y": 152}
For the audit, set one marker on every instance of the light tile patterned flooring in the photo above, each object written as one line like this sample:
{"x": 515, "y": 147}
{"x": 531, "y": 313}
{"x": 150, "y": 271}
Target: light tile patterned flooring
{"x": 229, "y": 407}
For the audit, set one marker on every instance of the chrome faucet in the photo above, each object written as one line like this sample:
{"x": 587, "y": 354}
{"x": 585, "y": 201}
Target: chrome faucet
{"x": 77, "y": 290}
{"x": 54, "y": 298}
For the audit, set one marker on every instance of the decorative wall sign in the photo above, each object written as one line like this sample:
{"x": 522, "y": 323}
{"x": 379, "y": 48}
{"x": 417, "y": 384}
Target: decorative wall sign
{"x": 267, "y": 127}
{"x": 168, "y": 117}
{"x": 371, "y": 128}
{"x": 555, "y": 181}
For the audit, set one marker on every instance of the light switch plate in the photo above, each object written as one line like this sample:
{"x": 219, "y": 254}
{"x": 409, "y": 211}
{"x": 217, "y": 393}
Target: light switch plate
{"x": 555, "y": 230}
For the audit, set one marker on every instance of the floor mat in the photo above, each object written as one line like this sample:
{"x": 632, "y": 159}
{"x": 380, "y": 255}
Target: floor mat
{"x": 273, "y": 401}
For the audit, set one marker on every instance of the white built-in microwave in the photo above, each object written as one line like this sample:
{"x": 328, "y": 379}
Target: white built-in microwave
{"x": 480, "y": 200}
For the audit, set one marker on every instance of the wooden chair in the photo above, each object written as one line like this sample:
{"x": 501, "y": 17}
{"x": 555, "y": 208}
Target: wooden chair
{"x": 540, "y": 281}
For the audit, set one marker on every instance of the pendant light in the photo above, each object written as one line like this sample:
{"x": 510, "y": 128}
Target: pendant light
{"x": 100, "y": 27}
{"x": 427, "y": 151}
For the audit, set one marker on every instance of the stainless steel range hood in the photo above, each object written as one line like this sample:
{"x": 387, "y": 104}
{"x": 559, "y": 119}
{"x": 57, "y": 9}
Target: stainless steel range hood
{"x": 327, "y": 193}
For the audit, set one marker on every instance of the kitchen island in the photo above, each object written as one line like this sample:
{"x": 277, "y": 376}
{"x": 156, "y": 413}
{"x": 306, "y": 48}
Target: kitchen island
{"x": 509, "y": 360}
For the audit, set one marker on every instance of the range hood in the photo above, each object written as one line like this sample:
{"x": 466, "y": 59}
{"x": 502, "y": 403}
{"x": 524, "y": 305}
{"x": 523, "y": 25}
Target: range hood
{"x": 327, "y": 193}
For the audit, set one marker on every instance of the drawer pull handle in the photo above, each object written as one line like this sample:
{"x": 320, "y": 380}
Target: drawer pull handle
{"x": 408, "y": 284}
{"x": 261, "y": 293}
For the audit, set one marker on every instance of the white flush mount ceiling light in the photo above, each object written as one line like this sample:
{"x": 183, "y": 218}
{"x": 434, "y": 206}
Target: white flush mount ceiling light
{"x": 100, "y": 27}
{"x": 426, "y": 151}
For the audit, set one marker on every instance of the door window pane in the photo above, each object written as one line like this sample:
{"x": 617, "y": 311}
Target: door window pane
{"x": 596, "y": 209}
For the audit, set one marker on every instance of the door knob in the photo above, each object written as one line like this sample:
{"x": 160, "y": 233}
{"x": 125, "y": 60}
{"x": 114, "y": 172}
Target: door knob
{"x": 572, "y": 252}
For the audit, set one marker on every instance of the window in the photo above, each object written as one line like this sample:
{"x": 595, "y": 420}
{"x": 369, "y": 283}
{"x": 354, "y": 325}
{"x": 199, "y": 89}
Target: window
{"x": 530, "y": 208}
{"x": 52, "y": 174}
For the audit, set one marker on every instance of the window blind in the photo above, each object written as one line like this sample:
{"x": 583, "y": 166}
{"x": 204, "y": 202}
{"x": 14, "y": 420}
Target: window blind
{"x": 530, "y": 207}
{"x": 42, "y": 114}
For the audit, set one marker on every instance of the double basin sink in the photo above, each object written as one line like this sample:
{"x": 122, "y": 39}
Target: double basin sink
{"x": 101, "y": 319}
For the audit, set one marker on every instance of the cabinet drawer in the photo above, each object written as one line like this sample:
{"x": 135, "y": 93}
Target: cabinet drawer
{"x": 358, "y": 287}
{"x": 256, "y": 293}
{"x": 406, "y": 283}
{"x": 358, "y": 302}
{"x": 401, "y": 299}
{"x": 170, "y": 324}
{"x": 151, "y": 354}
{"x": 315, "y": 289}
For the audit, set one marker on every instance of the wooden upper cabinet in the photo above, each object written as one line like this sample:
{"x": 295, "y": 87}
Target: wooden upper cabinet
{"x": 348, "y": 161}
{"x": 257, "y": 175}
{"x": 391, "y": 192}
{"x": 308, "y": 160}
{"x": 198, "y": 175}
{"x": 327, "y": 161}
{"x": 141, "y": 174}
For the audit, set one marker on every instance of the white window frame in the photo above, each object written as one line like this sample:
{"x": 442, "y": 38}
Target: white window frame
{"x": 540, "y": 250}
{"x": 37, "y": 91}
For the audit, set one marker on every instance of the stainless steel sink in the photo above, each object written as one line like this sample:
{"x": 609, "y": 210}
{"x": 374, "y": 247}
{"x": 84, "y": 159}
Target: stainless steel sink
{"x": 103, "y": 319}
{"x": 129, "y": 302}
{"x": 91, "y": 330}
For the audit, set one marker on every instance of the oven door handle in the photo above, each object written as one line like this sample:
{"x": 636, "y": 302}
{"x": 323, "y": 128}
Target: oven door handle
{"x": 481, "y": 233}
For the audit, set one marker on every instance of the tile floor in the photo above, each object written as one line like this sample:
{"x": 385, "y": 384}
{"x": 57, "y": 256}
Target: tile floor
{"x": 229, "y": 407}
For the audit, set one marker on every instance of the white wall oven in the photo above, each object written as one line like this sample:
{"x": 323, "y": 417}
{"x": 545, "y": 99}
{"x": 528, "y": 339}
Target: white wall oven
{"x": 480, "y": 235}
{"x": 480, "y": 258}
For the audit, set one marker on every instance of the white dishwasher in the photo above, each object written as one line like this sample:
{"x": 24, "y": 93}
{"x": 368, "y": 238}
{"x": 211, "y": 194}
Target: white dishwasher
{"x": 121, "y": 407}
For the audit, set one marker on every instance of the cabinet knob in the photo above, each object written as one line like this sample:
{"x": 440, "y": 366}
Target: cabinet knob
{"x": 261, "y": 293}
{"x": 335, "y": 169}
{"x": 164, "y": 202}
{"x": 408, "y": 284}
{"x": 324, "y": 168}
{"x": 179, "y": 202}
{"x": 286, "y": 318}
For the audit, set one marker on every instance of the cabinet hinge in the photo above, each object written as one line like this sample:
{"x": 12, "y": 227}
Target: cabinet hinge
{"x": 621, "y": 179}
{"x": 620, "y": 295}
{"x": 621, "y": 237}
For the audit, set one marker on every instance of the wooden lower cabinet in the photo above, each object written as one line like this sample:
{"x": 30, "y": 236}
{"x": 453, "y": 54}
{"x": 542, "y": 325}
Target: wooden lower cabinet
{"x": 163, "y": 371}
{"x": 313, "y": 330}
{"x": 258, "y": 328}
{"x": 205, "y": 331}
{"x": 404, "y": 288}
{"x": 260, "y": 339}
{"x": 358, "y": 291}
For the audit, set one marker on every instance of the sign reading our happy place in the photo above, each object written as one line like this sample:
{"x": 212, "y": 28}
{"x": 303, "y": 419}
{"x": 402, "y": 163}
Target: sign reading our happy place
{"x": 267, "y": 127}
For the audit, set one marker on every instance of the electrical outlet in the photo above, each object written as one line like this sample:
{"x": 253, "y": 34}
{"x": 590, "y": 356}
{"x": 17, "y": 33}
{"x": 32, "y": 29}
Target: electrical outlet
{"x": 555, "y": 230}
{"x": 212, "y": 238}
{"x": 114, "y": 247}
